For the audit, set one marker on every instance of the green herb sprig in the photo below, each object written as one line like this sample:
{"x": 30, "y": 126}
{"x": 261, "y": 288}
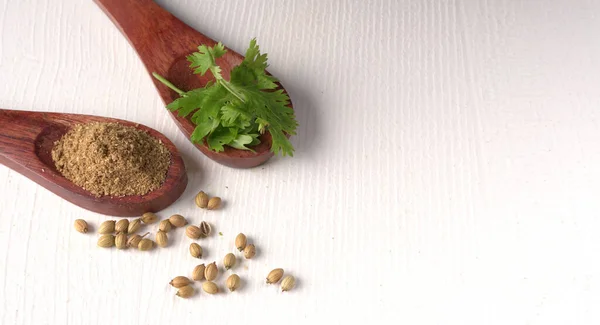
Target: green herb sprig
{"x": 234, "y": 113}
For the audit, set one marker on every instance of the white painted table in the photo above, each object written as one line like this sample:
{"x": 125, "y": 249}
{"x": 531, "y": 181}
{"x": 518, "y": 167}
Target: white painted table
{"x": 447, "y": 167}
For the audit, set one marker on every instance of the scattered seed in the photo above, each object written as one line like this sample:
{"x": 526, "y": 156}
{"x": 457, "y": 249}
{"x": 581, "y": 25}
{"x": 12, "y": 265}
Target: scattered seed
{"x": 201, "y": 200}
{"x": 106, "y": 241}
{"x": 210, "y": 287}
{"x": 211, "y": 272}
{"x": 198, "y": 273}
{"x": 177, "y": 220}
{"x": 134, "y": 240}
{"x": 240, "y": 242}
{"x": 204, "y": 229}
{"x": 161, "y": 239}
{"x": 196, "y": 250}
{"x": 274, "y": 276}
{"x": 107, "y": 227}
{"x": 122, "y": 226}
{"x": 145, "y": 244}
{"x": 180, "y": 281}
{"x": 185, "y": 292}
{"x": 214, "y": 203}
{"x": 233, "y": 282}
{"x": 149, "y": 218}
{"x": 249, "y": 251}
{"x": 134, "y": 226}
{"x": 229, "y": 261}
{"x": 193, "y": 232}
{"x": 288, "y": 283}
{"x": 121, "y": 240}
{"x": 81, "y": 226}
{"x": 165, "y": 225}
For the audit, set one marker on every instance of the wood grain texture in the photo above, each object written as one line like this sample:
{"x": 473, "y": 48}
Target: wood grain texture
{"x": 163, "y": 42}
{"x": 446, "y": 169}
{"x": 26, "y": 144}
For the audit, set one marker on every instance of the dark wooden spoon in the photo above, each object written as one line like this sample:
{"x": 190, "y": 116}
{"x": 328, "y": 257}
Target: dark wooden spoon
{"x": 162, "y": 42}
{"x": 26, "y": 142}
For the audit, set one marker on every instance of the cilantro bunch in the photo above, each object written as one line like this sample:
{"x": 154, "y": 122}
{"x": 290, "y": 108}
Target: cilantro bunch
{"x": 234, "y": 113}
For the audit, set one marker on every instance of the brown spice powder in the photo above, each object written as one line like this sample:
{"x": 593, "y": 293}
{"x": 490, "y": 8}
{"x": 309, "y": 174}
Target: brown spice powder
{"x": 111, "y": 159}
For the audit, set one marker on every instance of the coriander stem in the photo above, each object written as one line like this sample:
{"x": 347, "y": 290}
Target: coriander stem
{"x": 168, "y": 83}
{"x": 229, "y": 88}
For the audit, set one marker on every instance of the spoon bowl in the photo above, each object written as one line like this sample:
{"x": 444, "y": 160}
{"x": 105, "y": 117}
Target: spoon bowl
{"x": 26, "y": 143}
{"x": 162, "y": 42}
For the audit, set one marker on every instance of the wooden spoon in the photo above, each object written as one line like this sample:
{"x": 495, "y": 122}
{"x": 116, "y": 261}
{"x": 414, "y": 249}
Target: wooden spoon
{"x": 162, "y": 42}
{"x": 26, "y": 143}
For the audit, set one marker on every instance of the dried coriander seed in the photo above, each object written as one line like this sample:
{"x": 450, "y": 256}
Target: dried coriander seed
{"x": 288, "y": 283}
{"x": 233, "y": 282}
{"x": 198, "y": 272}
{"x": 240, "y": 242}
{"x": 177, "y": 220}
{"x": 145, "y": 244}
{"x": 185, "y": 292}
{"x": 134, "y": 226}
{"x": 201, "y": 200}
{"x": 134, "y": 240}
{"x": 210, "y": 287}
{"x": 196, "y": 250}
{"x": 211, "y": 272}
{"x": 149, "y": 218}
{"x": 106, "y": 241}
{"x": 229, "y": 261}
{"x": 204, "y": 229}
{"x": 161, "y": 239}
{"x": 214, "y": 203}
{"x": 180, "y": 281}
{"x": 121, "y": 240}
{"x": 107, "y": 227}
{"x": 274, "y": 276}
{"x": 165, "y": 225}
{"x": 122, "y": 226}
{"x": 193, "y": 232}
{"x": 81, "y": 226}
{"x": 249, "y": 251}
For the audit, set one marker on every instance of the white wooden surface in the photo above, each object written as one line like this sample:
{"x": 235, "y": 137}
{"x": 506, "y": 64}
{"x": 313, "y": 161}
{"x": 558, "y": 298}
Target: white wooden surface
{"x": 447, "y": 167}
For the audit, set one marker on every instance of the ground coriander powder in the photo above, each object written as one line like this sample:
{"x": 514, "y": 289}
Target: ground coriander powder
{"x": 111, "y": 159}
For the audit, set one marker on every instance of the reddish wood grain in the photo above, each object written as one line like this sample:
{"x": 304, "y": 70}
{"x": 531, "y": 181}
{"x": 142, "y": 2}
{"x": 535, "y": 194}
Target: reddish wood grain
{"x": 26, "y": 143}
{"x": 162, "y": 42}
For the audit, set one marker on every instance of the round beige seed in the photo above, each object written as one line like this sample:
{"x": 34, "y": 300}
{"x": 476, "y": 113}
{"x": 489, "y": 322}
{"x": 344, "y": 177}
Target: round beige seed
{"x": 198, "y": 273}
{"x": 229, "y": 261}
{"x": 196, "y": 250}
{"x": 180, "y": 281}
{"x": 145, "y": 244}
{"x": 177, "y": 220}
{"x": 210, "y": 287}
{"x": 201, "y": 200}
{"x": 106, "y": 241}
{"x": 204, "y": 229}
{"x": 240, "y": 242}
{"x": 193, "y": 232}
{"x": 161, "y": 239}
{"x": 214, "y": 203}
{"x": 122, "y": 225}
{"x": 185, "y": 292}
{"x": 249, "y": 251}
{"x": 288, "y": 283}
{"x": 165, "y": 225}
{"x": 107, "y": 227}
{"x": 211, "y": 272}
{"x": 134, "y": 240}
{"x": 134, "y": 226}
{"x": 274, "y": 276}
{"x": 149, "y": 218}
{"x": 121, "y": 240}
{"x": 233, "y": 282}
{"x": 81, "y": 226}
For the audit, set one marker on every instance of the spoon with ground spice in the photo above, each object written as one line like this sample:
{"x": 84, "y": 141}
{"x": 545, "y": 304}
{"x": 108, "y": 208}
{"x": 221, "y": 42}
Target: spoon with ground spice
{"x": 162, "y": 42}
{"x": 105, "y": 165}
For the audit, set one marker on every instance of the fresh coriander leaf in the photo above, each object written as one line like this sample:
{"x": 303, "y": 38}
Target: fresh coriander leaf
{"x": 232, "y": 115}
{"x": 189, "y": 102}
{"x": 241, "y": 141}
{"x": 204, "y": 59}
{"x": 203, "y": 129}
{"x": 220, "y": 137}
